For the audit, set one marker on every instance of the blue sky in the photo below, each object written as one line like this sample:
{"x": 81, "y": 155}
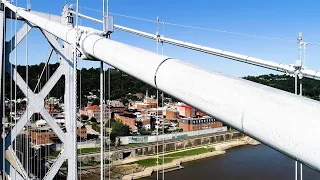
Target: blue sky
{"x": 272, "y": 18}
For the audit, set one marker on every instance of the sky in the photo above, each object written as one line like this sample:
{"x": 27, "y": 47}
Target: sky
{"x": 273, "y": 18}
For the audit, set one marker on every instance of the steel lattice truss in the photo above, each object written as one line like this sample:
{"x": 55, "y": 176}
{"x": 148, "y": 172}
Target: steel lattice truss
{"x": 36, "y": 100}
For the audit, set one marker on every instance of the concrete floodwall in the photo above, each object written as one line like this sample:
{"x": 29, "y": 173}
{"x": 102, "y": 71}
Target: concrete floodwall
{"x": 82, "y": 144}
{"x": 147, "y": 139}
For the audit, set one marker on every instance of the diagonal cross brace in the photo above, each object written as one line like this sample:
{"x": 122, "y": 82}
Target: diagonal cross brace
{"x": 12, "y": 172}
{"x": 56, "y": 165}
{"x": 35, "y": 103}
{"x": 16, "y": 159}
{"x": 56, "y": 46}
{"x": 15, "y": 40}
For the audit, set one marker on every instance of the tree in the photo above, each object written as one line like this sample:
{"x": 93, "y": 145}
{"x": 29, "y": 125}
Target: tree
{"x": 96, "y": 102}
{"x": 84, "y": 117}
{"x": 111, "y": 122}
{"x": 94, "y": 120}
{"x": 144, "y": 131}
{"x": 119, "y": 129}
{"x": 95, "y": 127}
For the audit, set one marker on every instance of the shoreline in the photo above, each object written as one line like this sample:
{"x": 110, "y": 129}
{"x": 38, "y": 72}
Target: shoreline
{"x": 220, "y": 149}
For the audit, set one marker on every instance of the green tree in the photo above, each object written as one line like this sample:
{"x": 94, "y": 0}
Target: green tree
{"x": 96, "y": 102}
{"x": 94, "y": 120}
{"x": 119, "y": 129}
{"x": 144, "y": 131}
{"x": 84, "y": 117}
{"x": 95, "y": 127}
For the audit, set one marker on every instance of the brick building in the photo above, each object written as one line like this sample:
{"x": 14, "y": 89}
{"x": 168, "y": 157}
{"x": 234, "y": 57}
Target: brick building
{"x": 94, "y": 112}
{"x": 172, "y": 114}
{"x": 193, "y": 124}
{"x": 127, "y": 119}
{"x": 142, "y": 106}
{"x": 186, "y": 111}
{"x": 200, "y": 114}
{"x": 45, "y": 135}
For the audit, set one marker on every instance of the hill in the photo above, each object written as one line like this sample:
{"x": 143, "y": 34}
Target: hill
{"x": 122, "y": 84}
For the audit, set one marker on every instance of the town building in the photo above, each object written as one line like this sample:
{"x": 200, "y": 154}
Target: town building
{"x": 186, "y": 111}
{"x": 193, "y": 124}
{"x": 94, "y": 112}
{"x": 172, "y": 114}
{"x": 135, "y": 120}
{"x": 147, "y": 103}
{"x": 45, "y": 135}
{"x": 127, "y": 119}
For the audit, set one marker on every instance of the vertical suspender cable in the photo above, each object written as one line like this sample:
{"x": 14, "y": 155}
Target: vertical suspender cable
{"x": 157, "y": 115}
{"x": 109, "y": 121}
{"x": 15, "y": 84}
{"x": 3, "y": 100}
{"x": 101, "y": 123}
{"x": 109, "y": 101}
{"x": 27, "y": 99}
{"x": 101, "y": 106}
{"x": 39, "y": 144}
{"x": 304, "y": 61}
{"x": 75, "y": 92}
{"x": 80, "y": 106}
{"x": 296, "y": 92}
{"x": 11, "y": 68}
{"x": 162, "y": 114}
{"x": 104, "y": 110}
{"x": 102, "y": 95}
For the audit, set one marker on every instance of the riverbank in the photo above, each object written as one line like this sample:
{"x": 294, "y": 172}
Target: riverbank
{"x": 136, "y": 167}
{"x": 173, "y": 165}
{"x": 176, "y": 164}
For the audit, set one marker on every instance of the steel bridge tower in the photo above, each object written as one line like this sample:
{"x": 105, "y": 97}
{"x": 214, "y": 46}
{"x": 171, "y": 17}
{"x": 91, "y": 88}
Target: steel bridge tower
{"x": 35, "y": 101}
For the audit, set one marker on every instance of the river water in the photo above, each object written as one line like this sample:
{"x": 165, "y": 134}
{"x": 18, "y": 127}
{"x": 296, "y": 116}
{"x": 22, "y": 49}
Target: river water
{"x": 242, "y": 163}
